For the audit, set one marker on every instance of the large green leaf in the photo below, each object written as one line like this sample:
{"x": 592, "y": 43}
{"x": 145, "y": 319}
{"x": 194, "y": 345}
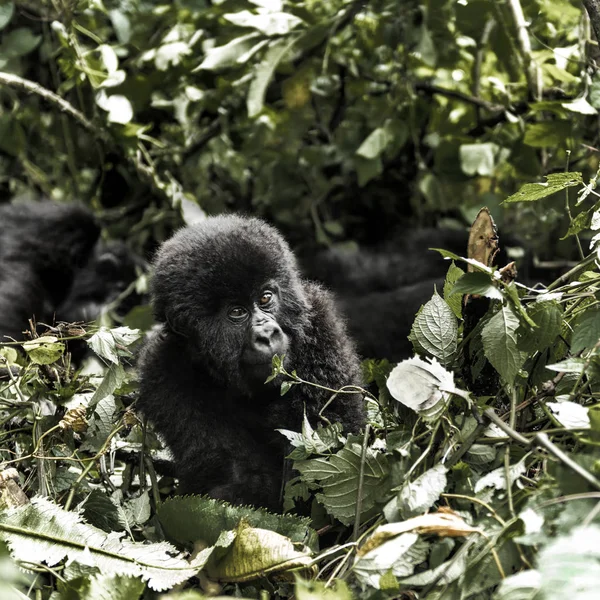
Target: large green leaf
{"x": 499, "y": 338}
{"x": 555, "y": 183}
{"x": 50, "y": 534}
{"x": 338, "y": 476}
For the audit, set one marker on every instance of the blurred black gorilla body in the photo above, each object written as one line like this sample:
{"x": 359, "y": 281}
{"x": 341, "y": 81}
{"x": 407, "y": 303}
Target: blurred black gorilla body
{"x": 53, "y": 266}
{"x": 381, "y": 289}
{"x": 229, "y": 296}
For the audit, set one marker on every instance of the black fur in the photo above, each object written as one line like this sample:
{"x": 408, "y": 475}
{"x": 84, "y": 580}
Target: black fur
{"x": 217, "y": 417}
{"x": 42, "y": 247}
{"x": 54, "y": 267}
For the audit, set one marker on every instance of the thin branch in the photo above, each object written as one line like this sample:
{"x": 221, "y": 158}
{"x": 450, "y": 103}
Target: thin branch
{"x": 429, "y": 88}
{"x": 532, "y": 73}
{"x": 593, "y": 10}
{"x": 145, "y": 172}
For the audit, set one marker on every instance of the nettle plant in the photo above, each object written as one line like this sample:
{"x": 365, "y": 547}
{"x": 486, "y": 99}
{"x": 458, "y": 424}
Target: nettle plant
{"x": 481, "y": 450}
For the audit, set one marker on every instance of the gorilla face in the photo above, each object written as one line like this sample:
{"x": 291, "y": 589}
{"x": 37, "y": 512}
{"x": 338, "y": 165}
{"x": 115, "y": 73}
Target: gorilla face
{"x": 233, "y": 293}
{"x": 262, "y": 335}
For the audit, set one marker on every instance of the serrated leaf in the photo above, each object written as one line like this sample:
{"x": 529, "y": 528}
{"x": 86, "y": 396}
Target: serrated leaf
{"x": 418, "y": 496}
{"x": 555, "y": 182}
{"x": 191, "y": 518}
{"x": 51, "y": 534}
{"x": 435, "y": 330}
{"x": 338, "y": 477}
{"x": 499, "y": 337}
{"x": 477, "y": 283}
{"x": 548, "y": 318}
{"x": 586, "y": 331}
{"x": 453, "y": 301}
{"x": 264, "y": 72}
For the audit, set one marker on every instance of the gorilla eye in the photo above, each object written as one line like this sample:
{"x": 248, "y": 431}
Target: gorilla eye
{"x": 237, "y": 313}
{"x": 266, "y": 298}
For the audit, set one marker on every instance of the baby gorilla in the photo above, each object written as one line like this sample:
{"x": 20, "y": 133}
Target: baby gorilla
{"x": 229, "y": 296}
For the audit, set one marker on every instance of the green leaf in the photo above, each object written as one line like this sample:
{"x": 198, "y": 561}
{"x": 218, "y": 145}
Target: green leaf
{"x": 570, "y": 565}
{"x": 477, "y": 283}
{"x": 338, "y": 477}
{"x": 520, "y": 586}
{"x": 367, "y": 169}
{"x": 191, "y": 518}
{"x": 499, "y": 338}
{"x": 320, "y": 590}
{"x": 228, "y": 55}
{"x": 548, "y": 134}
{"x": 121, "y": 25}
{"x": 479, "y": 159}
{"x": 18, "y": 42}
{"x": 555, "y": 183}
{"x": 547, "y": 316}
{"x": 264, "y": 72}
{"x": 400, "y": 555}
{"x": 422, "y": 386}
{"x": 44, "y": 350}
{"x": 375, "y": 144}
{"x": 586, "y": 331}
{"x": 453, "y": 301}
{"x": 101, "y": 587}
{"x": 51, "y": 534}
{"x": 580, "y": 106}
{"x": 113, "y": 378}
{"x": 268, "y": 23}
{"x": 7, "y": 8}
{"x": 435, "y": 330}
{"x": 418, "y": 496}
{"x": 255, "y": 553}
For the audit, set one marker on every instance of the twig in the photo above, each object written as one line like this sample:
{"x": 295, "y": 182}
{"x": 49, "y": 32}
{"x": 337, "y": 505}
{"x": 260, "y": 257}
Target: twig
{"x": 361, "y": 477}
{"x": 145, "y": 172}
{"x": 531, "y": 69}
{"x": 429, "y": 88}
{"x": 593, "y": 10}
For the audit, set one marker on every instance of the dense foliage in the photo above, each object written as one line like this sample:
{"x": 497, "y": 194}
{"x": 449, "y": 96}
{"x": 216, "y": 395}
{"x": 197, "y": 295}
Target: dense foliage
{"x": 341, "y": 121}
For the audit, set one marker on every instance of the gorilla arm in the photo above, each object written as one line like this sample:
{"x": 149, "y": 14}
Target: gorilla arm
{"x": 220, "y": 448}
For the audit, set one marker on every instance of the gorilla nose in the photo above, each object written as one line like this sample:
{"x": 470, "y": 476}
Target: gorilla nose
{"x": 267, "y": 338}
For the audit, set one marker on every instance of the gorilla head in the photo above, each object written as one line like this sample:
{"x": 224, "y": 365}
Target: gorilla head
{"x": 231, "y": 286}
{"x": 229, "y": 296}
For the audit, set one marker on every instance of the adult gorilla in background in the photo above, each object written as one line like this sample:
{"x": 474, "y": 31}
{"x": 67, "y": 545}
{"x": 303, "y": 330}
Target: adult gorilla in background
{"x": 53, "y": 266}
{"x": 229, "y": 296}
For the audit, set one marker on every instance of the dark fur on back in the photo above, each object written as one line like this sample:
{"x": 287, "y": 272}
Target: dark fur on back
{"x": 220, "y": 429}
{"x": 42, "y": 246}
